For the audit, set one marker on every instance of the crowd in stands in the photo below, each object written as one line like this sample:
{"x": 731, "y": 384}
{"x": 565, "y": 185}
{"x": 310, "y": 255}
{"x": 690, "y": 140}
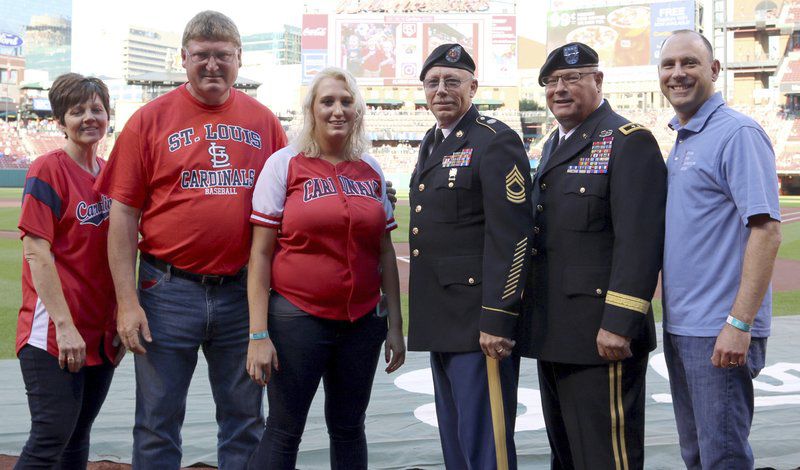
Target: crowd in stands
{"x": 22, "y": 142}
{"x": 12, "y": 150}
{"x": 396, "y": 135}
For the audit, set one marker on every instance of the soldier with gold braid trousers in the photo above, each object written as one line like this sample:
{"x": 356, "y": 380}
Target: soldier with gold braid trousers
{"x": 598, "y": 200}
{"x": 470, "y": 227}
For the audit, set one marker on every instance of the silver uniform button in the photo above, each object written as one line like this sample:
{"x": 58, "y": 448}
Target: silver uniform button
{"x": 599, "y": 291}
{"x": 539, "y": 208}
{"x": 415, "y": 252}
{"x": 471, "y": 280}
{"x": 418, "y": 209}
{"x": 414, "y": 231}
{"x": 421, "y": 187}
{"x": 582, "y": 190}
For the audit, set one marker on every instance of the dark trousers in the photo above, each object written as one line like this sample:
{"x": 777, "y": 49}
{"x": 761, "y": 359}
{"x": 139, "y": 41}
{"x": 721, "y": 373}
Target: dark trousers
{"x": 594, "y": 414}
{"x": 476, "y": 409}
{"x": 344, "y": 356}
{"x": 63, "y": 406}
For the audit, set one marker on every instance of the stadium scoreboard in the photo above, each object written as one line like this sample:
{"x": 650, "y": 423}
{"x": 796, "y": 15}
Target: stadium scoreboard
{"x": 384, "y": 43}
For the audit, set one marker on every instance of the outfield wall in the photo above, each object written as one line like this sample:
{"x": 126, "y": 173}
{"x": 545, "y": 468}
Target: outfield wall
{"x": 12, "y": 178}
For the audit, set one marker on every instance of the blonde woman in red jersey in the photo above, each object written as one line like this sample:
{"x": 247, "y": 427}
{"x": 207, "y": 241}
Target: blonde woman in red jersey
{"x": 321, "y": 253}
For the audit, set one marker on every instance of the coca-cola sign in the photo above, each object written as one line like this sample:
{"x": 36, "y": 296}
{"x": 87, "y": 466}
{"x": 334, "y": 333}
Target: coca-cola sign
{"x": 319, "y": 32}
{"x": 315, "y": 32}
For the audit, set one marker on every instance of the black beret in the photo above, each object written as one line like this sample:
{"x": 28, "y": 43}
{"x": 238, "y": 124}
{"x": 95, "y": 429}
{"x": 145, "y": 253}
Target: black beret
{"x": 448, "y": 55}
{"x": 568, "y": 56}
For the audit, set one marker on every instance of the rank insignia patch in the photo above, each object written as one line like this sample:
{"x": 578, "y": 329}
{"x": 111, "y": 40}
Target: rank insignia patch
{"x": 461, "y": 158}
{"x": 597, "y": 161}
{"x": 515, "y": 186}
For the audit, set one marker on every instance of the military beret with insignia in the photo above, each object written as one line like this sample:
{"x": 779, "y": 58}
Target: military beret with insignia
{"x": 448, "y": 55}
{"x": 569, "y": 56}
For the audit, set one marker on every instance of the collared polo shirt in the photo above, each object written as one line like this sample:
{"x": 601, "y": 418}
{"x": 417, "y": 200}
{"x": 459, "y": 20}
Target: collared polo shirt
{"x": 721, "y": 173}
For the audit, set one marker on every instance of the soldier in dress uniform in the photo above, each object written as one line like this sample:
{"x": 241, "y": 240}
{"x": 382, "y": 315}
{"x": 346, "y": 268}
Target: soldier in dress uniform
{"x": 599, "y": 195}
{"x": 471, "y": 221}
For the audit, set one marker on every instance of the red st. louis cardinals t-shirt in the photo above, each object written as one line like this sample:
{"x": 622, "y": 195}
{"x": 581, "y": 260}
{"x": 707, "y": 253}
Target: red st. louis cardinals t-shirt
{"x": 191, "y": 168}
{"x": 60, "y": 206}
{"x": 331, "y": 219}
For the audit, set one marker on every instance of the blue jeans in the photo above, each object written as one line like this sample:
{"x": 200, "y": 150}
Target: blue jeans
{"x": 184, "y": 316}
{"x": 713, "y": 406}
{"x": 344, "y": 355}
{"x": 63, "y": 407}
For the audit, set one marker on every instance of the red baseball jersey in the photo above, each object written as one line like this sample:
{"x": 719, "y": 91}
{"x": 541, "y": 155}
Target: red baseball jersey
{"x": 60, "y": 205}
{"x": 331, "y": 219}
{"x": 191, "y": 168}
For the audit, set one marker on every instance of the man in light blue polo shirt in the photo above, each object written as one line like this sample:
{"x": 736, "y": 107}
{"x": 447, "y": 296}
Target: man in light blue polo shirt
{"x": 722, "y": 236}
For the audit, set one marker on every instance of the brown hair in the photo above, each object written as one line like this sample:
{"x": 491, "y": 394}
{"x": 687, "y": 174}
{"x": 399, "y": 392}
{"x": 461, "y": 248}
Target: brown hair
{"x": 71, "y": 89}
{"x": 211, "y": 25}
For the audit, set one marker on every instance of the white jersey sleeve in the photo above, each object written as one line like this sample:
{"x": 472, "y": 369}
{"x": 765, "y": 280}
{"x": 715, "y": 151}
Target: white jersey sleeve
{"x": 269, "y": 194}
{"x": 391, "y": 224}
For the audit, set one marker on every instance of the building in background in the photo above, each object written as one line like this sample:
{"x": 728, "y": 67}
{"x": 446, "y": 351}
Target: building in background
{"x": 146, "y": 50}
{"x": 35, "y": 44}
{"x": 273, "y": 48}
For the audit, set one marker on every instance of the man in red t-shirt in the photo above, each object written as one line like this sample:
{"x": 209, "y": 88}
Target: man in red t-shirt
{"x": 182, "y": 172}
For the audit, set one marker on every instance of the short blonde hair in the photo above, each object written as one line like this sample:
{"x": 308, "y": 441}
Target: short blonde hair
{"x": 213, "y": 26}
{"x": 357, "y": 142}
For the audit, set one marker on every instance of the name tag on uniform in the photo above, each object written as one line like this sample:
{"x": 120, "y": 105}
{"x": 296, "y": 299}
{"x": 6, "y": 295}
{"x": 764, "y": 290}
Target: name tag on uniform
{"x": 462, "y": 158}
{"x": 597, "y": 161}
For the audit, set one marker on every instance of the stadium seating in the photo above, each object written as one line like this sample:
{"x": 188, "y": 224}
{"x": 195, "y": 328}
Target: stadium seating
{"x": 396, "y": 134}
{"x": 19, "y": 145}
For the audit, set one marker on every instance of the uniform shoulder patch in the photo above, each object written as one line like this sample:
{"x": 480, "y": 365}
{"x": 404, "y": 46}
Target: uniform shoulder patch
{"x": 632, "y": 127}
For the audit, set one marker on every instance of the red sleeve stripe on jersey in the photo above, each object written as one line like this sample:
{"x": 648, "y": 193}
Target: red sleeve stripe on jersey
{"x": 44, "y": 193}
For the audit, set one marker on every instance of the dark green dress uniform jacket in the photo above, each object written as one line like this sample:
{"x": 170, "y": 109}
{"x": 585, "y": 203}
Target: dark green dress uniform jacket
{"x": 598, "y": 239}
{"x": 471, "y": 219}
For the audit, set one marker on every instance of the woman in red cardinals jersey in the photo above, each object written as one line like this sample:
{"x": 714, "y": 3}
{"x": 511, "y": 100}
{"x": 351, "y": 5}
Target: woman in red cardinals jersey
{"x": 321, "y": 253}
{"x": 66, "y": 329}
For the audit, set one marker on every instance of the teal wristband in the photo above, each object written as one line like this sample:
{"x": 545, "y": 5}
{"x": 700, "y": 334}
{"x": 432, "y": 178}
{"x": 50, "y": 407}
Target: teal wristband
{"x": 260, "y": 335}
{"x": 738, "y": 324}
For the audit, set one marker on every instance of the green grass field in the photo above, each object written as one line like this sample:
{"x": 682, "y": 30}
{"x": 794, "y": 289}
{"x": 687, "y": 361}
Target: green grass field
{"x": 790, "y": 201}
{"x": 790, "y": 244}
{"x": 9, "y": 217}
{"x": 10, "y": 293}
{"x": 11, "y": 193}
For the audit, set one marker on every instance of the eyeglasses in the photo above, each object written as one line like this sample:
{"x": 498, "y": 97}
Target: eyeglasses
{"x": 449, "y": 83}
{"x": 568, "y": 78}
{"x": 222, "y": 57}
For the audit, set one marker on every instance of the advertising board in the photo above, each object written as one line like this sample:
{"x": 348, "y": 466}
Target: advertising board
{"x": 622, "y": 34}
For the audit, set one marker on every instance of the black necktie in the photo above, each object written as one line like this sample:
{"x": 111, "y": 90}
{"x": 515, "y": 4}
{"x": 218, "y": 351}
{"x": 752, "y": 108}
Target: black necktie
{"x": 438, "y": 138}
{"x": 559, "y": 143}
{"x": 436, "y": 141}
